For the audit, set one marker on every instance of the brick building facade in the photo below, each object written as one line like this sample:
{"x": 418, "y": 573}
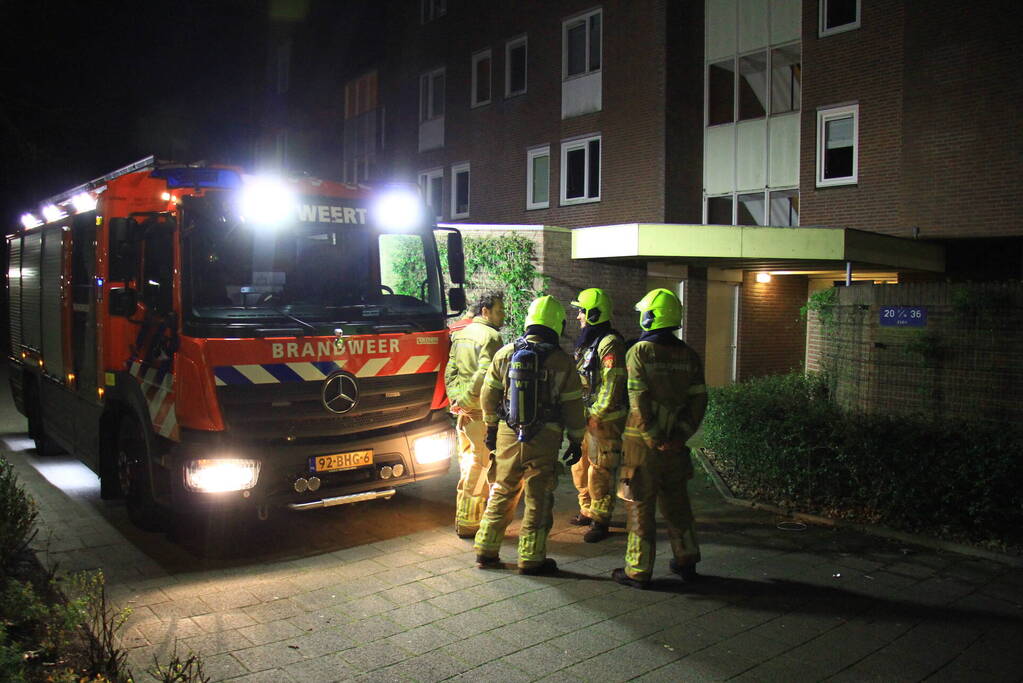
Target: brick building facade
{"x": 890, "y": 118}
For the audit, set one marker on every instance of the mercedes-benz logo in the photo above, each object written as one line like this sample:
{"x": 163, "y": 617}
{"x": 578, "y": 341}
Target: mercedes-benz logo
{"x": 340, "y": 393}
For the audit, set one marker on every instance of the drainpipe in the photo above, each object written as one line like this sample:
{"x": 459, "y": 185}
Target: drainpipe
{"x": 848, "y": 273}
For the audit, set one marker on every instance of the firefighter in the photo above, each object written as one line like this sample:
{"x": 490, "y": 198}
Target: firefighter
{"x": 667, "y": 400}
{"x": 473, "y": 345}
{"x": 600, "y": 361}
{"x": 531, "y": 395}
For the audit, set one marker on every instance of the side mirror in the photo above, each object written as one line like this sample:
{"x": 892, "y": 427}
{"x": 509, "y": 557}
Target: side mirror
{"x": 456, "y": 299}
{"x": 456, "y": 259}
{"x": 122, "y": 301}
{"x": 123, "y": 246}
{"x": 151, "y": 295}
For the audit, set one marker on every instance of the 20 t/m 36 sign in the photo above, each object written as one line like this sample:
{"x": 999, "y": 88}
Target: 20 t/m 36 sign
{"x": 903, "y": 316}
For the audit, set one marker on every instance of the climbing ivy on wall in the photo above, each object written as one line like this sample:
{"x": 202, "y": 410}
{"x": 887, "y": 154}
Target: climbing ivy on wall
{"x": 505, "y": 262}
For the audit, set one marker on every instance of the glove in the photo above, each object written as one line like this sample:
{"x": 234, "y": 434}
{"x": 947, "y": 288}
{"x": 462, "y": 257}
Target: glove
{"x": 491, "y": 439}
{"x": 572, "y": 453}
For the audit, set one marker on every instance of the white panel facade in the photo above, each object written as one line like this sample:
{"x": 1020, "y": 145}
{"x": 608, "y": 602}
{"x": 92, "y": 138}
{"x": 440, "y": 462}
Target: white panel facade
{"x": 581, "y": 95}
{"x": 751, "y": 155}
{"x": 720, "y": 29}
{"x": 719, "y": 160}
{"x": 786, "y": 20}
{"x": 784, "y": 151}
{"x": 752, "y": 25}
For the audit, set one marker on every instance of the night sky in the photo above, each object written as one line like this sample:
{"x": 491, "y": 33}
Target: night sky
{"x": 89, "y": 87}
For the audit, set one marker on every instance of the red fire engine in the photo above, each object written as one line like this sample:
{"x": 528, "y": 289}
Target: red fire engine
{"x": 202, "y": 338}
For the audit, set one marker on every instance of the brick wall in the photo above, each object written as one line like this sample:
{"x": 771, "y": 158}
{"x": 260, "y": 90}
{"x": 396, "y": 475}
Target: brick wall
{"x": 963, "y": 151}
{"x": 966, "y": 362}
{"x": 772, "y": 334}
{"x": 494, "y": 138}
{"x": 861, "y": 66}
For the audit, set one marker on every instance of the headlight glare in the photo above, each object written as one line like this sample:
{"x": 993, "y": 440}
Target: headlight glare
{"x": 397, "y": 210}
{"x": 433, "y": 448}
{"x": 216, "y": 475}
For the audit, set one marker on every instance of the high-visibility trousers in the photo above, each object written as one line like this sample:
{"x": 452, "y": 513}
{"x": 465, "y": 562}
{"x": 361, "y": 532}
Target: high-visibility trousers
{"x": 594, "y": 477}
{"x": 523, "y": 469}
{"x": 473, "y": 465}
{"x": 658, "y": 478}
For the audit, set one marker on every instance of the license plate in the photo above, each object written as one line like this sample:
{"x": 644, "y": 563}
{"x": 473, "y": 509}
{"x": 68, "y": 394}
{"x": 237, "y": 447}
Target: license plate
{"x": 342, "y": 461}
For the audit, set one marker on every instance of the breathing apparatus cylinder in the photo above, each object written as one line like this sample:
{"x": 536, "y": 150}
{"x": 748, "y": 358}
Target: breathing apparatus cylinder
{"x": 523, "y": 390}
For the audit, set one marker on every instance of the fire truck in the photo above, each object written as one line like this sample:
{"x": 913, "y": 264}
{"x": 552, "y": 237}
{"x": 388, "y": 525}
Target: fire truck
{"x": 206, "y": 339}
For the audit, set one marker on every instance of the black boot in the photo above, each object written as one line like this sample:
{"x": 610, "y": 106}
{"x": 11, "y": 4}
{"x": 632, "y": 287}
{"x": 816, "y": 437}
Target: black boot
{"x": 548, "y": 566}
{"x": 621, "y": 577}
{"x": 488, "y": 562}
{"x": 597, "y": 532}
{"x": 686, "y": 571}
{"x": 580, "y": 520}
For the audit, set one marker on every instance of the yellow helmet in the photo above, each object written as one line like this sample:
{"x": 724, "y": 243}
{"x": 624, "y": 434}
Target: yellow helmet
{"x": 547, "y": 311}
{"x": 660, "y": 308}
{"x": 596, "y": 304}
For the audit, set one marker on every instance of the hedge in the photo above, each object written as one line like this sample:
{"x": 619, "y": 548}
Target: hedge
{"x": 782, "y": 440}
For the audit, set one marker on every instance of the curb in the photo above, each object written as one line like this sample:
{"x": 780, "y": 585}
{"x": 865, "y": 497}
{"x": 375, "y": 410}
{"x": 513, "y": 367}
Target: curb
{"x": 883, "y": 532}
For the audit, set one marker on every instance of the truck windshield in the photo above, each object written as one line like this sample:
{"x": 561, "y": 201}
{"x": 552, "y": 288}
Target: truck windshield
{"x": 235, "y": 272}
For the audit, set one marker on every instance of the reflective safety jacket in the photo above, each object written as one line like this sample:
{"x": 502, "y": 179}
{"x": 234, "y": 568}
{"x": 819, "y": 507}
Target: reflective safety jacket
{"x": 564, "y": 390}
{"x": 601, "y": 369}
{"x": 472, "y": 349}
{"x": 667, "y": 394}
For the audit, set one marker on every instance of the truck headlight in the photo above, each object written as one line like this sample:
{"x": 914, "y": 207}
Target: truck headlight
{"x": 433, "y": 448}
{"x": 215, "y": 475}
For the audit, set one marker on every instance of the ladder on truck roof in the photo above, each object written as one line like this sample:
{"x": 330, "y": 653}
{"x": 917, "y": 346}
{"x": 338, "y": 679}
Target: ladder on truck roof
{"x": 142, "y": 164}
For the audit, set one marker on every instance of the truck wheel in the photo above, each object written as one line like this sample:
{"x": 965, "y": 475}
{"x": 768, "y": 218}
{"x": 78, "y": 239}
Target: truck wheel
{"x": 133, "y": 460}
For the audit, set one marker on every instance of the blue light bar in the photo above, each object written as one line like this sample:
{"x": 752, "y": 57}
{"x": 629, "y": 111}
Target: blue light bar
{"x": 222, "y": 178}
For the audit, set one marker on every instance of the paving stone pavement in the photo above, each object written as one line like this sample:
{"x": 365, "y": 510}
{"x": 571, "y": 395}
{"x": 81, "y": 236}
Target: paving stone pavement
{"x": 385, "y": 591}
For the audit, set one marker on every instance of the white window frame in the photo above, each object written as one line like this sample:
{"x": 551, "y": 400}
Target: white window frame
{"x": 532, "y": 154}
{"x": 574, "y": 144}
{"x": 825, "y": 115}
{"x": 585, "y": 18}
{"x": 425, "y": 179}
{"x": 426, "y": 92}
{"x": 476, "y": 58}
{"x": 822, "y": 13}
{"x": 455, "y": 170}
{"x": 508, "y": 47}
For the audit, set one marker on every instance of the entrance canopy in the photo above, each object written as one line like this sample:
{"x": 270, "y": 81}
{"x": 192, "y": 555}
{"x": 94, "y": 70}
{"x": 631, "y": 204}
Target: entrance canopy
{"x": 758, "y": 248}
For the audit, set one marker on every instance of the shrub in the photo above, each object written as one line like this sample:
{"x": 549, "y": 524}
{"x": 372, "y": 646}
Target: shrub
{"x": 17, "y": 518}
{"x": 781, "y": 439}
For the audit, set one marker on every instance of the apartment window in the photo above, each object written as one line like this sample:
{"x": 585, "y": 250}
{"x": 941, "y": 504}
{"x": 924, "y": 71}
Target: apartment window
{"x": 460, "y": 191}
{"x": 431, "y": 183}
{"x": 481, "y": 78}
{"x": 837, "y": 145}
{"x": 837, "y": 16}
{"x": 753, "y": 86}
{"x": 431, "y": 95}
{"x": 515, "y": 67}
{"x": 432, "y": 9}
{"x": 538, "y": 178}
{"x": 786, "y": 79}
{"x": 580, "y": 171}
{"x": 581, "y": 40}
{"x": 721, "y": 93}
{"x": 719, "y": 210}
{"x": 750, "y": 209}
{"x": 784, "y": 208}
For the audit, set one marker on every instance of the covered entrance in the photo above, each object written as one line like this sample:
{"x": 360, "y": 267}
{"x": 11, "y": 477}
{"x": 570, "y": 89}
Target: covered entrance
{"x": 742, "y": 287}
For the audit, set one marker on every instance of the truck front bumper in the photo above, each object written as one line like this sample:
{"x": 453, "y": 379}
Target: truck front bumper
{"x": 287, "y": 470}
